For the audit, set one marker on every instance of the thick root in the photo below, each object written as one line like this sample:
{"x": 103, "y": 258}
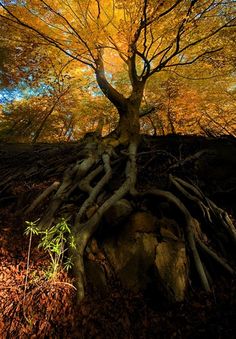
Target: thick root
{"x": 189, "y": 231}
{"x": 83, "y": 231}
{"x": 90, "y": 178}
{"x": 42, "y": 197}
{"x": 69, "y": 184}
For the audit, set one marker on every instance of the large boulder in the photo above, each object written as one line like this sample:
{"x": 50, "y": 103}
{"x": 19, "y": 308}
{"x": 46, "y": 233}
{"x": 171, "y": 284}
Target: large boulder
{"x": 171, "y": 264}
{"x": 145, "y": 252}
{"x": 117, "y": 213}
{"x": 172, "y": 268}
{"x": 132, "y": 252}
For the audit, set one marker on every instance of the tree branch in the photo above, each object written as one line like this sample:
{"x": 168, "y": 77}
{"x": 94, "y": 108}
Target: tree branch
{"x": 109, "y": 91}
{"x": 194, "y": 59}
{"x": 52, "y": 41}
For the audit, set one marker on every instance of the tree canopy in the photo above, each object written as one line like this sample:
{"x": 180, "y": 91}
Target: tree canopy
{"x": 135, "y": 49}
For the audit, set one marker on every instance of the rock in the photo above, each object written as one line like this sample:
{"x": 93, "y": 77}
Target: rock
{"x": 95, "y": 268}
{"x": 170, "y": 225}
{"x": 132, "y": 252}
{"x": 167, "y": 234}
{"x": 172, "y": 267}
{"x": 132, "y": 258}
{"x": 117, "y": 213}
{"x": 143, "y": 222}
{"x": 145, "y": 252}
{"x": 94, "y": 246}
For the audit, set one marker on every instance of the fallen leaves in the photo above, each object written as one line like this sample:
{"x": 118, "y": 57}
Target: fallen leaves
{"x": 39, "y": 310}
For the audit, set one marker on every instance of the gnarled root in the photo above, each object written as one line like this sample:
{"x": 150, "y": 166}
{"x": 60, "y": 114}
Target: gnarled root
{"x": 90, "y": 178}
{"x": 190, "y": 227}
{"x": 194, "y": 236}
{"x": 83, "y": 231}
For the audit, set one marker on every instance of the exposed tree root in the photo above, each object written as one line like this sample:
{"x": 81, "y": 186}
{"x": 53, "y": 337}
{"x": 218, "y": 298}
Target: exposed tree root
{"x": 89, "y": 179}
{"x": 190, "y": 159}
{"x": 69, "y": 184}
{"x": 215, "y": 256}
{"x": 42, "y": 197}
{"x": 190, "y": 227}
{"x": 209, "y": 209}
{"x": 83, "y": 231}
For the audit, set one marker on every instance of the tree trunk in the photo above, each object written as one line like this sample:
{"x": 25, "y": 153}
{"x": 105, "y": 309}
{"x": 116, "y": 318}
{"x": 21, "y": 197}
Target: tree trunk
{"x": 129, "y": 126}
{"x": 128, "y": 108}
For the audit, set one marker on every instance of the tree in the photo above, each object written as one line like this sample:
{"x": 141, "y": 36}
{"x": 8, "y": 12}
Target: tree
{"x": 142, "y": 38}
{"x": 130, "y": 32}
{"x": 56, "y": 94}
{"x": 196, "y": 105}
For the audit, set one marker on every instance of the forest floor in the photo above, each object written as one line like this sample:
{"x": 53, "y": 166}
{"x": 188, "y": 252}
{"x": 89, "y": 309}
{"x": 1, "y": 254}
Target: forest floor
{"x": 45, "y": 308}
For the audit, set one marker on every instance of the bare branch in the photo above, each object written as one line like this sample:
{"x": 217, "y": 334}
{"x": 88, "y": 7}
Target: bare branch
{"x": 110, "y": 92}
{"x": 53, "y": 42}
{"x": 194, "y": 59}
{"x": 69, "y": 24}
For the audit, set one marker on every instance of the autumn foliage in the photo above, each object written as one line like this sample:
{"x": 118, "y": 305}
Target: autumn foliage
{"x": 53, "y": 53}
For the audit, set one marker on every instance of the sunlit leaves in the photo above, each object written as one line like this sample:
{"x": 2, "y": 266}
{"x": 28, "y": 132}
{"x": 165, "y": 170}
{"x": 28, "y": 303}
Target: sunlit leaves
{"x": 134, "y": 39}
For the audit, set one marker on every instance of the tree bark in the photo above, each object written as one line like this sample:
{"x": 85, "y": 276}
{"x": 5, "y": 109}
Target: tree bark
{"x": 128, "y": 108}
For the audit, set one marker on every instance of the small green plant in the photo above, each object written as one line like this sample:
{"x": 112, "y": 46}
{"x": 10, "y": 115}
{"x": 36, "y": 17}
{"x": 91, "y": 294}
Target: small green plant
{"x": 54, "y": 241}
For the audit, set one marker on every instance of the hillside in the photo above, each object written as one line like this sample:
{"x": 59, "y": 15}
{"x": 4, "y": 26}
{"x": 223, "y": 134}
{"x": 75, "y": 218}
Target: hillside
{"x": 45, "y": 308}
